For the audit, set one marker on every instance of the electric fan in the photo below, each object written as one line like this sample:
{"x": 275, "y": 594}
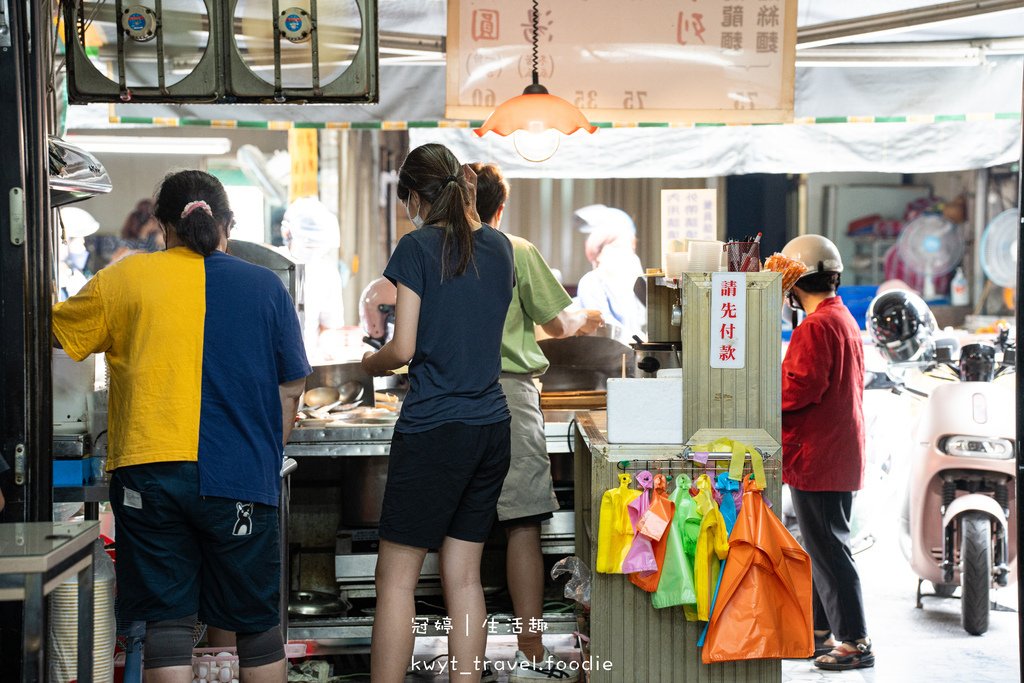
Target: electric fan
{"x": 222, "y": 51}
{"x": 932, "y": 246}
{"x": 999, "y": 249}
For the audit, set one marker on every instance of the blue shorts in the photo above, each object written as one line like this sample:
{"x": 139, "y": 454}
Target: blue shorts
{"x": 179, "y": 553}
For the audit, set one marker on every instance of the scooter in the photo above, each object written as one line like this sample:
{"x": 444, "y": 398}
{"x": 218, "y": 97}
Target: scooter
{"x": 958, "y": 525}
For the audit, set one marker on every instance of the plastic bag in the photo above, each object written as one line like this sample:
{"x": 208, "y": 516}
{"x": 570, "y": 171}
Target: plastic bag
{"x": 763, "y": 608}
{"x": 727, "y": 506}
{"x": 640, "y": 557}
{"x": 615, "y": 530}
{"x": 676, "y": 585}
{"x": 656, "y": 520}
{"x": 577, "y": 588}
{"x": 712, "y": 548}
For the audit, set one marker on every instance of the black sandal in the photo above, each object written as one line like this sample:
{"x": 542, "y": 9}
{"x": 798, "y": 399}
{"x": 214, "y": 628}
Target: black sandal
{"x": 821, "y": 646}
{"x": 843, "y": 659}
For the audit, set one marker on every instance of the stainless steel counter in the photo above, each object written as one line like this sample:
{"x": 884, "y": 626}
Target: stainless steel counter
{"x": 340, "y": 441}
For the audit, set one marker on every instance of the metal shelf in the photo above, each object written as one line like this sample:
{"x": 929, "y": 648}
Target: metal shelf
{"x": 96, "y": 493}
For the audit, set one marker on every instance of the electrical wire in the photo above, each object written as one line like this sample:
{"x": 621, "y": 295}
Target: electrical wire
{"x": 535, "y": 18}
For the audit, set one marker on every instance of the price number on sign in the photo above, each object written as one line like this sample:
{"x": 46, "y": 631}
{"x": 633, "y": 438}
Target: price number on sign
{"x": 483, "y": 98}
{"x": 586, "y": 99}
{"x": 743, "y": 100}
{"x": 634, "y": 99}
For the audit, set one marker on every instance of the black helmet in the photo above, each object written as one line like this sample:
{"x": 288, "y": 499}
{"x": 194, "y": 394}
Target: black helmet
{"x": 902, "y": 326}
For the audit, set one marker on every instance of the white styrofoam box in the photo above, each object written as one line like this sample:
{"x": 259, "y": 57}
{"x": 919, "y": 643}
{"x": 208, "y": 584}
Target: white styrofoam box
{"x": 671, "y": 372}
{"x": 646, "y": 410}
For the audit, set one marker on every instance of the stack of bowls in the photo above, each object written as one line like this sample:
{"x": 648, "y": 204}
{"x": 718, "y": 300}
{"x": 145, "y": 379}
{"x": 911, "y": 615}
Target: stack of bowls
{"x": 705, "y": 256}
{"x": 62, "y": 645}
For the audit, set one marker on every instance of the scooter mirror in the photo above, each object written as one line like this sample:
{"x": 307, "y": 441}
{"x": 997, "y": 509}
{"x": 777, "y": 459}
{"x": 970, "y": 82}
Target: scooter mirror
{"x": 943, "y": 354}
{"x": 1009, "y": 357}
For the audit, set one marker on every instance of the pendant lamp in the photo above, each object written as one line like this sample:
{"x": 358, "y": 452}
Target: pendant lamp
{"x": 536, "y": 119}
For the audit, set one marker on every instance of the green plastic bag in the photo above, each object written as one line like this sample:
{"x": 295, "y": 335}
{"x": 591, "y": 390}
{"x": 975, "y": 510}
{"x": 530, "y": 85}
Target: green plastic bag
{"x": 676, "y": 585}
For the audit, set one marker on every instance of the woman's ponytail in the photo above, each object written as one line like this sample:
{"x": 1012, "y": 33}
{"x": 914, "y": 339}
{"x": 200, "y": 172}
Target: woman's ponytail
{"x": 434, "y": 172}
{"x": 194, "y": 205}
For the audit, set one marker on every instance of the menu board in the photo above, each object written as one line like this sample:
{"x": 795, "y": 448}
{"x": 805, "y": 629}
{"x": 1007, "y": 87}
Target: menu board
{"x": 628, "y": 61}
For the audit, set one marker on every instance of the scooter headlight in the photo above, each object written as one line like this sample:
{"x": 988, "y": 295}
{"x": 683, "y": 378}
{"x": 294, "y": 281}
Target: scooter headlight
{"x": 977, "y": 447}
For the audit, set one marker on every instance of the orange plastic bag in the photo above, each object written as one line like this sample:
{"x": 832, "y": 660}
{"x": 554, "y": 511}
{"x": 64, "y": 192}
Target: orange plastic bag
{"x": 655, "y": 520}
{"x": 763, "y": 608}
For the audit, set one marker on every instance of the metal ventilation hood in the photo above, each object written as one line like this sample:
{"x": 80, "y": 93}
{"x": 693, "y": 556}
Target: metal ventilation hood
{"x": 75, "y": 174}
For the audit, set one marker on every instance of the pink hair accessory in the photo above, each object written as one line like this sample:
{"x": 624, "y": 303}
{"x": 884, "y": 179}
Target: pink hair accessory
{"x": 198, "y": 204}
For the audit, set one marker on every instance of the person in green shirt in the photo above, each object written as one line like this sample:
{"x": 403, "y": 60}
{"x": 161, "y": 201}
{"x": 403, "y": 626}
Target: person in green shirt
{"x": 528, "y": 495}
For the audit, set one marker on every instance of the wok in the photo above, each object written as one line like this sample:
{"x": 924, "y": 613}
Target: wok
{"x": 584, "y": 363}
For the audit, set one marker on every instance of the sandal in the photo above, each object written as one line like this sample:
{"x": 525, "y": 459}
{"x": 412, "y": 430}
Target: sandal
{"x": 822, "y": 646}
{"x": 847, "y": 656}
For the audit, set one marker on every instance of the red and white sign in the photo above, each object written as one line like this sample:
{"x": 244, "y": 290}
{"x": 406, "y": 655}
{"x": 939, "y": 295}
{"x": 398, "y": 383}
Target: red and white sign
{"x": 728, "y": 320}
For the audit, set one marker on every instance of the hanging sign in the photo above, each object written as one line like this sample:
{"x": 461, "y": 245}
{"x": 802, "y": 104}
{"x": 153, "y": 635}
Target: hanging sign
{"x": 728, "y": 320}
{"x": 687, "y": 215}
{"x": 628, "y": 61}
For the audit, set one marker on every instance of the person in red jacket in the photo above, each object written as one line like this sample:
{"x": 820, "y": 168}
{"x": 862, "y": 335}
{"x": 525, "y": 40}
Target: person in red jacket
{"x": 823, "y": 449}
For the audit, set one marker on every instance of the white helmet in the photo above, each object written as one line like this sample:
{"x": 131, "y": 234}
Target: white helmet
{"x": 818, "y": 253}
{"x": 309, "y": 223}
{"x": 78, "y": 222}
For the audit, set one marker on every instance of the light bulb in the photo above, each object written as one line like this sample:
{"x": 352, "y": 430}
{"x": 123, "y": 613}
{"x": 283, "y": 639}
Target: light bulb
{"x": 536, "y": 144}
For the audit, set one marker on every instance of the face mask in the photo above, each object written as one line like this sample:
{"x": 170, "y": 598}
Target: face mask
{"x": 414, "y": 217}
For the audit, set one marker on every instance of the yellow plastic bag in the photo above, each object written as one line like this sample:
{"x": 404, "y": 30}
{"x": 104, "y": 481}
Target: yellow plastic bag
{"x": 712, "y": 548}
{"x": 615, "y": 532}
{"x": 763, "y": 609}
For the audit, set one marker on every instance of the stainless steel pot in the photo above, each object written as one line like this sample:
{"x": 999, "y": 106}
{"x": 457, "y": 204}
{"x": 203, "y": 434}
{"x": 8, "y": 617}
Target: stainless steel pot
{"x": 654, "y": 356}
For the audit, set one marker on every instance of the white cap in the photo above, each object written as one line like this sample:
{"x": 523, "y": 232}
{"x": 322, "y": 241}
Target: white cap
{"x": 601, "y": 217}
{"x": 77, "y": 222}
{"x": 308, "y": 223}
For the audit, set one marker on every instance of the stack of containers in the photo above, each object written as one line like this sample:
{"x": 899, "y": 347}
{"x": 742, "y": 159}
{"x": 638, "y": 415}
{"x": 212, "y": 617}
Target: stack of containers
{"x": 705, "y": 256}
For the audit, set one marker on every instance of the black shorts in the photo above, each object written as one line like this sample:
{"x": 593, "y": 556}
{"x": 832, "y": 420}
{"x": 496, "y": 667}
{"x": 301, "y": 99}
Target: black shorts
{"x": 179, "y": 553}
{"x": 444, "y": 482}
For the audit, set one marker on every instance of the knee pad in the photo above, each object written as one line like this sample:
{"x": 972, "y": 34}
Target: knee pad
{"x": 169, "y": 642}
{"x": 258, "y": 649}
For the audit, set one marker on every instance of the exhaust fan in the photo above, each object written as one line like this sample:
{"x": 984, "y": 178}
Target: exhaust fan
{"x": 222, "y": 51}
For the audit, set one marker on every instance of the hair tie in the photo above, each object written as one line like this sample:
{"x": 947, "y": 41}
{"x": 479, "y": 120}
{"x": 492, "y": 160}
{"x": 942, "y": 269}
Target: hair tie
{"x": 198, "y": 204}
{"x": 451, "y": 179}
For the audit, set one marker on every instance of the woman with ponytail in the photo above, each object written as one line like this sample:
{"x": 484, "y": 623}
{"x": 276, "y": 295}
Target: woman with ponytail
{"x": 450, "y": 451}
{"x": 206, "y": 367}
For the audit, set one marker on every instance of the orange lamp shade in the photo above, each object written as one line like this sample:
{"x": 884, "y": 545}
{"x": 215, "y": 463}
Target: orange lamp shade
{"x": 535, "y": 112}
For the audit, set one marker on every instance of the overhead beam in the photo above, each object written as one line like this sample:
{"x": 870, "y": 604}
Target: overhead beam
{"x": 833, "y": 32}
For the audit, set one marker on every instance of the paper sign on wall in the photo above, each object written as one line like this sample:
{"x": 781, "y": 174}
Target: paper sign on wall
{"x": 687, "y": 215}
{"x": 691, "y": 61}
{"x": 728, "y": 320}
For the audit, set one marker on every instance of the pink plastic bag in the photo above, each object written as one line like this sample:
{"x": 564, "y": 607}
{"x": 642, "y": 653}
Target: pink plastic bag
{"x": 640, "y": 557}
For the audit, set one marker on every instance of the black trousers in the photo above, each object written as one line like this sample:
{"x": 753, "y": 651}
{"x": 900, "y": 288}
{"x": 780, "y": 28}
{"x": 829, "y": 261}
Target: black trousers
{"x": 824, "y": 518}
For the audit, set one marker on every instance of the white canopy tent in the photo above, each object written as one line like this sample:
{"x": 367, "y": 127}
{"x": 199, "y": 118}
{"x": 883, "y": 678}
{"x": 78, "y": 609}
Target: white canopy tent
{"x": 849, "y": 117}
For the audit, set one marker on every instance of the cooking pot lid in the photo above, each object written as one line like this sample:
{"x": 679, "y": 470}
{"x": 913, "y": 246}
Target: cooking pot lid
{"x": 316, "y": 604}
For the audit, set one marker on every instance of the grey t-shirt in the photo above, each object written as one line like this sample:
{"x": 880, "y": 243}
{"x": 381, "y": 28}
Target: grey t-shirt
{"x": 453, "y": 375}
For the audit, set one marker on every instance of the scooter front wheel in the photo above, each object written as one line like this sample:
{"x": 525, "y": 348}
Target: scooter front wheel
{"x": 975, "y": 571}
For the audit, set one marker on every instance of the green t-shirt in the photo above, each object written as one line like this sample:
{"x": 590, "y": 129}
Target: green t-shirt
{"x": 536, "y": 298}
